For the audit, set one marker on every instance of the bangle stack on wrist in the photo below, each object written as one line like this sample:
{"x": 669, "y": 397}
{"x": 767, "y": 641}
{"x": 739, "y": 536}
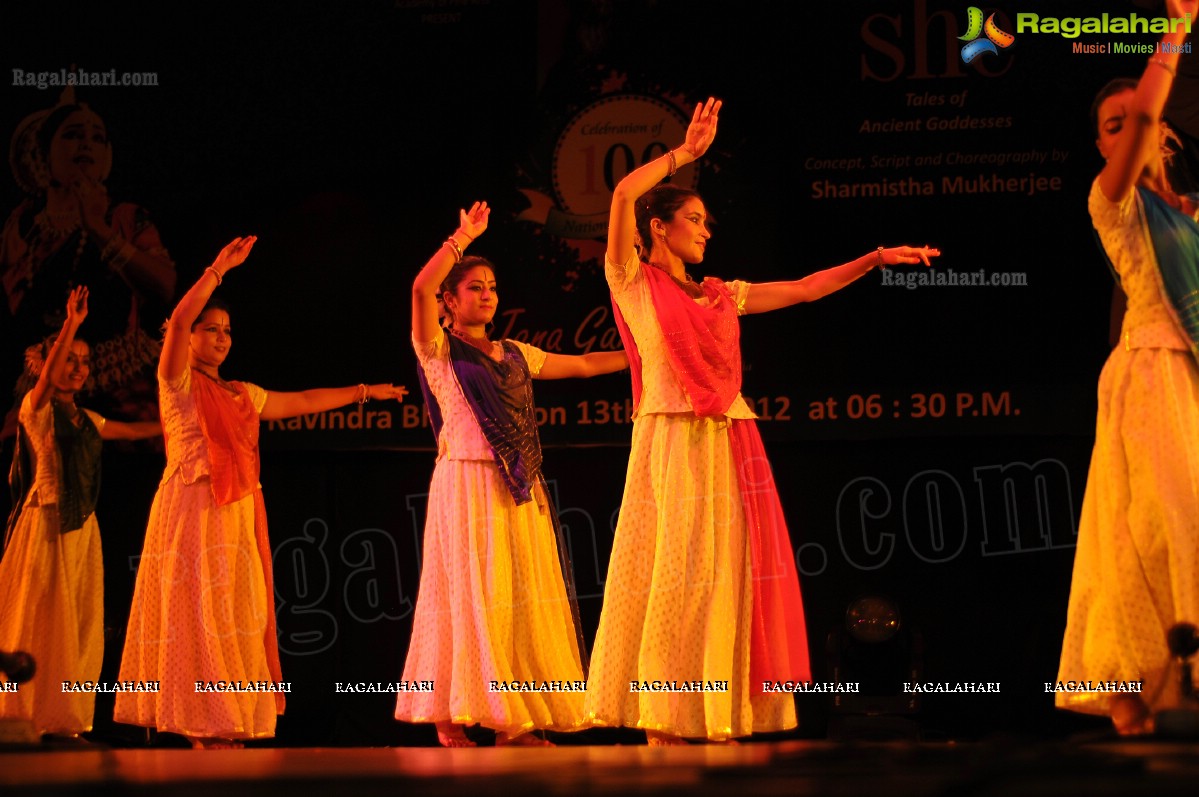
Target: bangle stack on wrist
{"x": 1155, "y": 60}
{"x": 452, "y": 243}
{"x": 112, "y": 247}
{"x": 363, "y": 394}
{"x": 881, "y": 263}
{"x": 219, "y": 277}
{"x": 117, "y": 253}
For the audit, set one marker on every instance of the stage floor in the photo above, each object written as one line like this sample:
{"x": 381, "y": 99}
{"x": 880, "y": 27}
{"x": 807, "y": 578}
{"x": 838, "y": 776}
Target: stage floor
{"x": 766, "y": 768}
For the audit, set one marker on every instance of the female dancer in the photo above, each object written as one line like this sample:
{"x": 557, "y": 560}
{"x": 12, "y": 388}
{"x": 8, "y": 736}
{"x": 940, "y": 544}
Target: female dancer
{"x": 203, "y": 605}
{"x": 52, "y": 576}
{"x": 1136, "y": 567}
{"x": 702, "y": 583}
{"x": 496, "y": 602}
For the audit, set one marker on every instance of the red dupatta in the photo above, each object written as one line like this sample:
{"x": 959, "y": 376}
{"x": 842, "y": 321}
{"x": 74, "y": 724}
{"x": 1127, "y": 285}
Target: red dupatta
{"x": 230, "y": 427}
{"x": 703, "y": 343}
{"x": 703, "y": 347}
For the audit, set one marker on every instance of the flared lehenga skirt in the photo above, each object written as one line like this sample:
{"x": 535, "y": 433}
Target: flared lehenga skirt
{"x": 493, "y": 629}
{"x": 678, "y": 601}
{"x": 1136, "y": 566}
{"x": 199, "y": 614}
{"x": 52, "y": 607}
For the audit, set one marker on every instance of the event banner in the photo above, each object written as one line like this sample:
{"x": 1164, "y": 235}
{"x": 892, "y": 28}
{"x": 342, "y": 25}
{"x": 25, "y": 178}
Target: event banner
{"x": 848, "y": 127}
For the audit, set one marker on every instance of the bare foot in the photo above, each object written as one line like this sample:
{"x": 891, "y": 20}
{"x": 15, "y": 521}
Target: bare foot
{"x": 658, "y": 739}
{"x": 451, "y": 735}
{"x": 214, "y": 743}
{"x": 1130, "y": 715}
{"x": 521, "y": 740}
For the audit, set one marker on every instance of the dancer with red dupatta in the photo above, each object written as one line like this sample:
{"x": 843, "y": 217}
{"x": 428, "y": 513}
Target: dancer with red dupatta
{"x": 702, "y": 604}
{"x": 203, "y": 607}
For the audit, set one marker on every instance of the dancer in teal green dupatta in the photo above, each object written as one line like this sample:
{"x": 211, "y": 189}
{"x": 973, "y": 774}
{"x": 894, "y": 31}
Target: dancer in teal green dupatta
{"x": 1136, "y": 567}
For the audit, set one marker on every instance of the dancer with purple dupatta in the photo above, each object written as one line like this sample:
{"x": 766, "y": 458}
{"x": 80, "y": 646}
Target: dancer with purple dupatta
{"x": 496, "y": 602}
{"x": 702, "y": 584}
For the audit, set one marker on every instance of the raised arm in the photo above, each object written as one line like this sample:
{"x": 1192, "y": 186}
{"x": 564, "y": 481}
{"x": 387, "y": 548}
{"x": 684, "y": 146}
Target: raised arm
{"x": 766, "y": 296}
{"x": 1138, "y": 128}
{"x": 622, "y": 223}
{"x": 564, "y": 366}
{"x": 305, "y": 402}
{"x": 426, "y": 286}
{"x": 41, "y": 392}
{"x": 174, "y": 346}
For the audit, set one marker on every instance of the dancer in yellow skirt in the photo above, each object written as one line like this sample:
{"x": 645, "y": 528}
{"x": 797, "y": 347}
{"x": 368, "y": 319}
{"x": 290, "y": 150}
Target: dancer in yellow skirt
{"x": 203, "y": 606}
{"x": 496, "y": 631}
{"x": 1136, "y": 567}
{"x": 701, "y": 604}
{"x": 52, "y": 574}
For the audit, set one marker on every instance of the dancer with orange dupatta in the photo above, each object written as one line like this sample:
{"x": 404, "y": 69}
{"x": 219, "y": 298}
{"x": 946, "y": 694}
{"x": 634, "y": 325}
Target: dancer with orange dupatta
{"x": 702, "y": 589}
{"x": 202, "y": 624}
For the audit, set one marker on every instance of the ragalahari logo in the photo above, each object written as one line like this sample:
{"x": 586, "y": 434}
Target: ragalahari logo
{"x": 995, "y": 40}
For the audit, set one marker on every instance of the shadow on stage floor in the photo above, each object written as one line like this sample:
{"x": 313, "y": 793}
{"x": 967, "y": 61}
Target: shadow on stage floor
{"x": 1096, "y": 765}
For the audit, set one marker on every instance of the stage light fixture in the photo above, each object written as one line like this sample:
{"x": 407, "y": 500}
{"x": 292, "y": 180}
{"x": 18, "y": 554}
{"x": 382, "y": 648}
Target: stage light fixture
{"x": 876, "y": 650}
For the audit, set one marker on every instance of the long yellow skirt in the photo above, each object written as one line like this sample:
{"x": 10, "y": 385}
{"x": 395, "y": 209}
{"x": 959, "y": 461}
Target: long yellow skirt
{"x": 679, "y": 599}
{"x": 1136, "y": 568}
{"x": 199, "y": 613}
{"x": 52, "y": 606}
{"x": 492, "y": 606}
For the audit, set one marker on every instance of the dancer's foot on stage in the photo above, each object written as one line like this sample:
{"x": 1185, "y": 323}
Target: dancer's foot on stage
{"x": 521, "y": 740}
{"x": 68, "y": 740}
{"x": 214, "y": 743}
{"x": 451, "y": 735}
{"x": 658, "y": 739}
{"x": 1131, "y": 716}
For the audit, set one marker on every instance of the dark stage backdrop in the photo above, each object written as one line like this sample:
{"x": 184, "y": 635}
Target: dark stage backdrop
{"x": 930, "y": 441}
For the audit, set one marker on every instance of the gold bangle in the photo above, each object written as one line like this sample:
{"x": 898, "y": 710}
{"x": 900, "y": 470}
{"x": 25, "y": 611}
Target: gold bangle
{"x": 1164, "y": 65}
{"x": 121, "y": 259}
{"x": 881, "y": 264}
{"x": 112, "y": 247}
{"x": 457, "y": 250}
{"x": 217, "y": 274}
{"x": 363, "y": 393}
{"x": 674, "y": 165}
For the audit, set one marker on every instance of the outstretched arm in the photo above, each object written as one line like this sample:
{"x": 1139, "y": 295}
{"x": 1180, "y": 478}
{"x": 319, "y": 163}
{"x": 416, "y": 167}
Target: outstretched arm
{"x": 174, "y": 346}
{"x": 130, "y": 430}
{"x": 766, "y": 296}
{"x": 1140, "y": 127}
{"x": 427, "y": 284}
{"x": 281, "y": 405}
{"x": 40, "y": 395}
{"x": 622, "y": 224}
{"x": 563, "y": 366}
